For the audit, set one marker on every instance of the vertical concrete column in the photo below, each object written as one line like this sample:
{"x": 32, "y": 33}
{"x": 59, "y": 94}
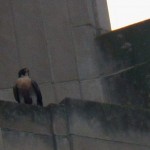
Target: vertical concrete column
{"x": 31, "y": 39}
{"x": 102, "y": 15}
{"x": 87, "y": 53}
{"x": 59, "y": 40}
{"x": 88, "y": 57}
{"x": 8, "y": 48}
{"x": 81, "y": 12}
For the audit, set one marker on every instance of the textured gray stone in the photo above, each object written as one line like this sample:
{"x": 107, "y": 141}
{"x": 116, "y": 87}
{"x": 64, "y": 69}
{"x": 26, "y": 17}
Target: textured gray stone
{"x": 23, "y": 117}
{"x": 47, "y": 90}
{"x": 127, "y": 146}
{"x": 59, "y": 119}
{"x": 92, "y": 90}
{"x": 62, "y": 143}
{"x": 8, "y": 51}
{"x": 108, "y": 122}
{"x": 59, "y": 40}
{"x": 1, "y": 141}
{"x": 130, "y": 87}
{"x": 74, "y": 124}
{"x": 31, "y": 39}
{"x": 102, "y": 16}
{"x": 126, "y": 47}
{"x": 88, "y": 56}
{"x": 14, "y": 140}
{"x": 81, "y": 12}
{"x": 7, "y": 95}
{"x": 67, "y": 89}
{"x": 85, "y": 143}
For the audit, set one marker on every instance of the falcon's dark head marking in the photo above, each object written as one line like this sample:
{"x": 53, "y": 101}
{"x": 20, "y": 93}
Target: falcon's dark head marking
{"x": 23, "y": 72}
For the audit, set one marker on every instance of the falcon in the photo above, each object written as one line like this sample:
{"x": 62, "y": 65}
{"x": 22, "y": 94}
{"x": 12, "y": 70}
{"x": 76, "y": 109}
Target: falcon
{"x": 27, "y": 90}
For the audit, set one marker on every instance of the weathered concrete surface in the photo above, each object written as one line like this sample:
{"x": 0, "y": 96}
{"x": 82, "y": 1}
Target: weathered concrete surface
{"x": 81, "y": 12}
{"x": 126, "y": 47}
{"x": 14, "y": 140}
{"x": 102, "y": 16}
{"x": 63, "y": 143}
{"x": 130, "y": 87}
{"x": 126, "y": 74}
{"x": 70, "y": 89}
{"x": 73, "y": 125}
{"x": 108, "y": 122}
{"x": 1, "y": 140}
{"x": 7, "y": 94}
{"x": 8, "y": 47}
{"x": 59, "y": 119}
{"x": 31, "y": 38}
{"x": 85, "y": 143}
{"x": 59, "y": 40}
{"x": 87, "y": 54}
{"x": 26, "y": 118}
{"x": 92, "y": 90}
{"x": 48, "y": 93}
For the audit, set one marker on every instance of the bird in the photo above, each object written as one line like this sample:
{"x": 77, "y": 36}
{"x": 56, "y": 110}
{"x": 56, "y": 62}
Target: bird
{"x": 27, "y": 90}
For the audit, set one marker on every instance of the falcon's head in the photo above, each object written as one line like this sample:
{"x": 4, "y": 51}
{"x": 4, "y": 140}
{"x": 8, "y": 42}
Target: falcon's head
{"x": 23, "y": 72}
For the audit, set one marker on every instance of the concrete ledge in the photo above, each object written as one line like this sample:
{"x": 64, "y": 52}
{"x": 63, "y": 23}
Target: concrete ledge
{"x": 23, "y": 117}
{"x": 73, "y": 121}
{"x": 86, "y": 143}
{"x": 108, "y": 121}
{"x": 59, "y": 119}
{"x": 17, "y": 140}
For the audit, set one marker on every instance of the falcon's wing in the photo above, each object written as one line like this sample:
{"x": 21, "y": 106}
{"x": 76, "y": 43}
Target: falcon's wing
{"x": 16, "y": 94}
{"x": 38, "y": 93}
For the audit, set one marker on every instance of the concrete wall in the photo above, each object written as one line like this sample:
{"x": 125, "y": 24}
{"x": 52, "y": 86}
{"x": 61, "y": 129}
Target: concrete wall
{"x": 73, "y": 125}
{"x": 126, "y": 77}
{"x": 55, "y": 40}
